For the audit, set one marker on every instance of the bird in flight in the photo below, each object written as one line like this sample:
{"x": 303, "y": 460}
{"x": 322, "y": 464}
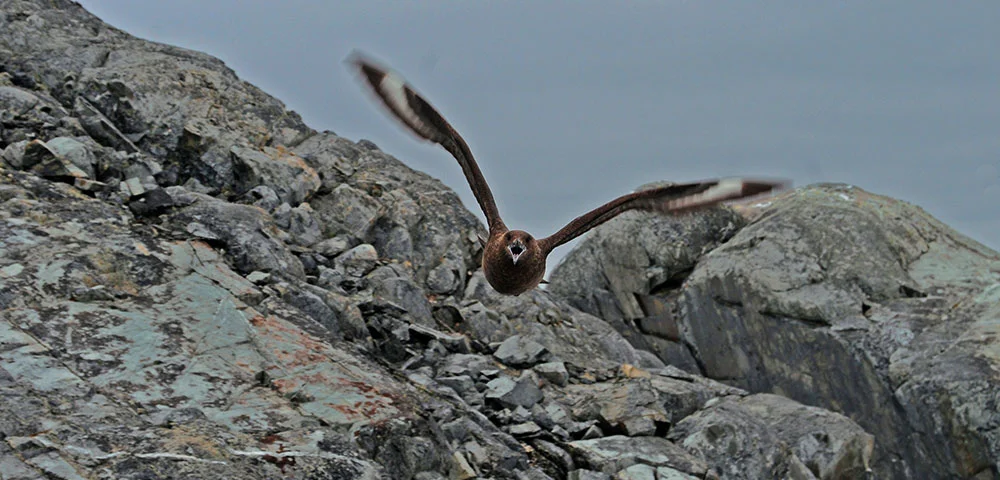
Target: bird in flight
{"x": 514, "y": 260}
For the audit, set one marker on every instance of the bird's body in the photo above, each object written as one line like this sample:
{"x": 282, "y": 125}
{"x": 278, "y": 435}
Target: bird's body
{"x": 513, "y": 260}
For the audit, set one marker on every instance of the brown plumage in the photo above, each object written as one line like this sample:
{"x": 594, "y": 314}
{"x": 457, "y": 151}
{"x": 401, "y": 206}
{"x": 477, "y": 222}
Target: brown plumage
{"x": 513, "y": 260}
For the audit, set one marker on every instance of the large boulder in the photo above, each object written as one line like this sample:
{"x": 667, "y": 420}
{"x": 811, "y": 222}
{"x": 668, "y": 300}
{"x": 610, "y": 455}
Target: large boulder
{"x": 851, "y": 301}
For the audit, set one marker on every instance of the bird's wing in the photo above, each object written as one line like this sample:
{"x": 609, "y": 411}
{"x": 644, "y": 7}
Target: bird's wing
{"x": 423, "y": 120}
{"x": 671, "y": 199}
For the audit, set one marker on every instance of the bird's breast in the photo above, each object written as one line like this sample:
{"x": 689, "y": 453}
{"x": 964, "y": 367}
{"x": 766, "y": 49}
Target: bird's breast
{"x": 509, "y": 278}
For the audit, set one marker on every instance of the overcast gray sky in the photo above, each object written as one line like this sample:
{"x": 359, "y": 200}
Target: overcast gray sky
{"x": 569, "y": 104}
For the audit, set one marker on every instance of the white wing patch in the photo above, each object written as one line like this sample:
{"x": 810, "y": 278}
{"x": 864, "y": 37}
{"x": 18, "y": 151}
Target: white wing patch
{"x": 393, "y": 89}
{"x": 724, "y": 190}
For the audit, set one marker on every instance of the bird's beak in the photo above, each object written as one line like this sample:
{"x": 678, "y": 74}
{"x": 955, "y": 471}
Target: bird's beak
{"x": 516, "y": 249}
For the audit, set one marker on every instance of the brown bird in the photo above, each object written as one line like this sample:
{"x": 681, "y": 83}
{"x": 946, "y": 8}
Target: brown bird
{"x": 513, "y": 260}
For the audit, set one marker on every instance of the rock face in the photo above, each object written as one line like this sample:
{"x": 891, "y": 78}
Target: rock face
{"x": 195, "y": 284}
{"x": 840, "y": 299}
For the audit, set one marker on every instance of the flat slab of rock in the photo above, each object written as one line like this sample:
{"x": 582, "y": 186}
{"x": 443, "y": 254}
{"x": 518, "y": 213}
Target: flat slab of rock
{"x": 512, "y": 393}
{"x": 611, "y": 454}
{"x": 519, "y": 351}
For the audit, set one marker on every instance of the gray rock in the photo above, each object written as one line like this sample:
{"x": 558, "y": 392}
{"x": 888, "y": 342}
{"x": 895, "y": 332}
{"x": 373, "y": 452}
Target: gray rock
{"x": 767, "y": 436}
{"x": 406, "y": 294}
{"x": 359, "y": 260}
{"x": 100, "y": 128}
{"x": 331, "y": 247}
{"x": 461, "y": 470}
{"x": 840, "y": 298}
{"x": 553, "y": 372}
{"x": 300, "y": 223}
{"x": 462, "y": 384}
{"x": 581, "y": 474}
{"x": 611, "y": 454}
{"x": 519, "y": 351}
{"x": 637, "y": 472}
{"x": 258, "y": 277}
{"x": 47, "y": 162}
{"x": 525, "y": 429}
{"x": 568, "y": 334}
{"x": 862, "y": 304}
{"x": 264, "y": 197}
{"x": 13, "y": 154}
{"x": 633, "y": 255}
{"x": 465, "y": 364}
{"x": 75, "y": 152}
{"x": 346, "y": 210}
{"x": 512, "y": 393}
{"x": 632, "y": 407}
{"x": 285, "y": 173}
{"x": 249, "y": 234}
{"x": 447, "y": 277}
{"x": 553, "y": 453}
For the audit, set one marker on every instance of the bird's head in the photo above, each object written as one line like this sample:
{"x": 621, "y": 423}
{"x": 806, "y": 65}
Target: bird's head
{"x": 521, "y": 246}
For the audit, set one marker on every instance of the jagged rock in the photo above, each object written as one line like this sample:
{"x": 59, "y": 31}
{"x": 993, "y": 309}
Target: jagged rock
{"x": 568, "y": 334}
{"x": 611, "y": 454}
{"x": 403, "y": 292}
{"x": 13, "y": 154}
{"x": 462, "y": 469}
{"x": 512, "y": 393}
{"x": 100, "y": 128}
{"x": 248, "y": 233}
{"x": 631, "y": 407}
{"x": 300, "y": 223}
{"x": 47, "y": 162}
{"x": 264, "y": 197}
{"x": 359, "y": 260}
{"x": 153, "y": 202}
{"x": 553, "y": 372}
{"x": 893, "y": 306}
{"x": 462, "y": 384}
{"x": 181, "y": 337}
{"x": 32, "y": 115}
{"x": 292, "y": 180}
{"x": 635, "y": 254}
{"x": 75, "y": 152}
{"x": 466, "y": 364}
{"x": 519, "y": 351}
{"x": 346, "y": 210}
{"x": 447, "y": 277}
{"x": 331, "y": 247}
{"x": 766, "y": 435}
{"x": 840, "y": 298}
{"x": 556, "y": 455}
{"x": 525, "y": 429}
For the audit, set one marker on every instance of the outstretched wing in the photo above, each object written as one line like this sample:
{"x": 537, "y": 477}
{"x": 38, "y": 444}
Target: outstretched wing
{"x": 422, "y": 119}
{"x": 669, "y": 199}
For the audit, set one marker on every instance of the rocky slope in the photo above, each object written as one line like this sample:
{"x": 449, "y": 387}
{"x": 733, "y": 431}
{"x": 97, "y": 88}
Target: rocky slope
{"x": 193, "y": 283}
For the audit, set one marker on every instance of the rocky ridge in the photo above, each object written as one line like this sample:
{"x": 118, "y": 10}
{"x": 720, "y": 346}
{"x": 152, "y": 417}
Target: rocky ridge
{"x": 193, "y": 282}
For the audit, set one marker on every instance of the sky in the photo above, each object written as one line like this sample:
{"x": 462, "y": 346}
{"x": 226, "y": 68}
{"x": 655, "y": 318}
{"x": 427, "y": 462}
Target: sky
{"x": 567, "y": 105}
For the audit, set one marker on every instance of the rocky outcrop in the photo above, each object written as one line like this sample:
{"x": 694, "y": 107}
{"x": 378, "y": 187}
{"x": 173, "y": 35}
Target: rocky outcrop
{"x": 194, "y": 283}
{"x": 837, "y": 298}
